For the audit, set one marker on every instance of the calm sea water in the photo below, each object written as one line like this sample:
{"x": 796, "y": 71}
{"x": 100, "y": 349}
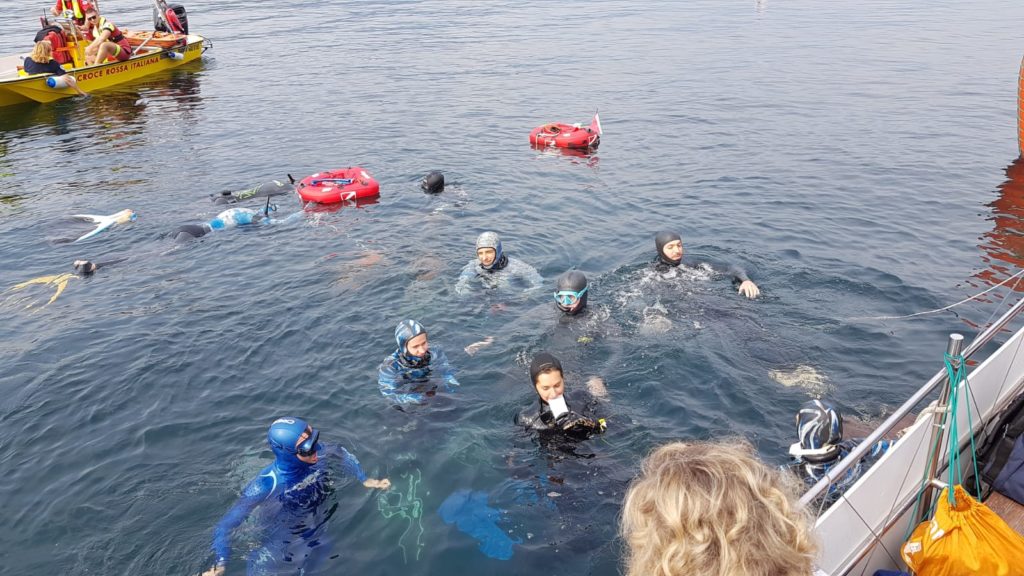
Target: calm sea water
{"x": 855, "y": 157}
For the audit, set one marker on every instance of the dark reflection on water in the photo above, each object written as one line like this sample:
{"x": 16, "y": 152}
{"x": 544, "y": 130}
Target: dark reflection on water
{"x": 1004, "y": 244}
{"x": 845, "y": 155}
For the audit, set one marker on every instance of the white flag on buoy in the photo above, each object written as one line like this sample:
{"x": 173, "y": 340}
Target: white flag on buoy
{"x": 595, "y": 124}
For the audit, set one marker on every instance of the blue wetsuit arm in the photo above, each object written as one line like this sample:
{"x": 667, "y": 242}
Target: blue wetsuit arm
{"x": 258, "y": 490}
{"x": 388, "y": 378}
{"x": 441, "y": 364}
{"x": 734, "y": 272}
{"x": 349, "y": 464}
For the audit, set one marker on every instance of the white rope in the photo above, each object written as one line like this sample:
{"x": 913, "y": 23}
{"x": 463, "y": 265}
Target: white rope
{"x": 943, "y": 309}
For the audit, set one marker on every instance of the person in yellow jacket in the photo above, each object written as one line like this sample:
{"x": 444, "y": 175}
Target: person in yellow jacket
{"x": 108, "y": 43}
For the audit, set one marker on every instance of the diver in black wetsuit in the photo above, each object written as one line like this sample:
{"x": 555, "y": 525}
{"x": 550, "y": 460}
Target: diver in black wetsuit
{"x": 670, "y": 255}
{"x": 571, "y": 292}
{"x": 553, "y": 413}
{"x": 87, "y": 267}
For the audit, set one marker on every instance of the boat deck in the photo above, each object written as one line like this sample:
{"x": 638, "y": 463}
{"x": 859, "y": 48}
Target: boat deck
{"x": 1011, "y": 512}
{"x": 9, "y": 66}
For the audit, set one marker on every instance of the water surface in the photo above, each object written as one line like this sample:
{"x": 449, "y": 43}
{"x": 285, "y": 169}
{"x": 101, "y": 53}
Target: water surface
{"x": 856, "y": 158}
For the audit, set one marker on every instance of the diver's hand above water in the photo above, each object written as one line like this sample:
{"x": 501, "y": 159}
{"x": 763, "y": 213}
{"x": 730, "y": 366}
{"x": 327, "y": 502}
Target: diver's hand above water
{"x": 383, "y": 484}
{"x": 571, "y": 421}
{"x": 749, "y": 289}
{"x": 595, "y": 384}
{"x": 474, "y": 347}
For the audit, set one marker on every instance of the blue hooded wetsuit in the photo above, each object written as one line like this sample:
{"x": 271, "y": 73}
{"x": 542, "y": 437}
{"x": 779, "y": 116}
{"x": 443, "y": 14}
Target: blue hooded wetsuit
{"x": 405, "y": 379}
{"x": 810, "y": 472}
{"x": 290, "y": 494}
{"x": 233, "y": 218}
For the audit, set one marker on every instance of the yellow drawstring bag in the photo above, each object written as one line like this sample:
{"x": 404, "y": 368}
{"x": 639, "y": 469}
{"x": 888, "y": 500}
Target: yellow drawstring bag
{"x": 964, "y": 538}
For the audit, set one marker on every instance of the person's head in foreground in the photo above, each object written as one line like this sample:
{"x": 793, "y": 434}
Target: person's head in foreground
{"x": 42, "y": 52}
{"x": 714, "y": 509}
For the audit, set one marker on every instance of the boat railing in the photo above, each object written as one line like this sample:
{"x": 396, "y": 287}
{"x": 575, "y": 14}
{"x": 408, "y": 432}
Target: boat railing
{"x": 938, "y": 381}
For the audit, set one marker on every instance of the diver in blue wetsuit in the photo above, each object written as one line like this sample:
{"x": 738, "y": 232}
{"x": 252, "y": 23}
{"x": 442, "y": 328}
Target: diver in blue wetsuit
{"x": 291, "y": 493}
{"x": 670, "y": 256}
{"x": 405, "y": 377}
{"x": 494, "y": 269}
{"x": 233, "y": 218}
{"x": 820, "y": 428}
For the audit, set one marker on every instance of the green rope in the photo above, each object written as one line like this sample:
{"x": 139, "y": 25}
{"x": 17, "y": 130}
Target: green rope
{"x": 957, "y": 376}
{"x": 409, "y": 507}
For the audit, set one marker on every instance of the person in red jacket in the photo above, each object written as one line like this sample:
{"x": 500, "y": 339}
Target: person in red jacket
{"x": 75, "y": 9}
{"x": 108, "y": 43}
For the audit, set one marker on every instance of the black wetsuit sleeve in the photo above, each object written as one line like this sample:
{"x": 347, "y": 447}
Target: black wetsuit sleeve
{"x": 736, "y": 273}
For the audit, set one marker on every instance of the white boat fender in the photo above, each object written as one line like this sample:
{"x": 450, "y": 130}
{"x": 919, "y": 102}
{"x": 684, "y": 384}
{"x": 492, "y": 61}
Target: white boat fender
{"x": 174, "y": 55}
{"x": 57, "y": 82}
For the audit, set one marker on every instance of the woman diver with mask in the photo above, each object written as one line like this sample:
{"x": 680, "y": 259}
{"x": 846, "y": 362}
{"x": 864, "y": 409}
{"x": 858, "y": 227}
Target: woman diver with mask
{"x": 404, "y": 376}
{"x": 553, "y": 413}
{"x": 670, "y": 255}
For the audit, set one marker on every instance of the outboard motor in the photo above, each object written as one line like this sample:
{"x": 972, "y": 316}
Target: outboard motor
{"x": 173, "y": 13}
{"x": 433, "y": 182}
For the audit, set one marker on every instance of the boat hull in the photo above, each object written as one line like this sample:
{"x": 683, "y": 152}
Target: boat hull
{"x": 98, "y": 77}
{"x": 865, "y": 530}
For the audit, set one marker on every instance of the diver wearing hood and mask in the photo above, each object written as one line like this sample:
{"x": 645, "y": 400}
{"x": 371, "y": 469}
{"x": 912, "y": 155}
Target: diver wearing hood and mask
{"x": 494, "y": 268}
{"x": 295, "y": 487}
{"x": 405, "y": 376}
{"x": 553, "y": 413}
{"x": 819, "y": 425}
{"x": 670, "y": 255}
{"x": 571, "y": 292}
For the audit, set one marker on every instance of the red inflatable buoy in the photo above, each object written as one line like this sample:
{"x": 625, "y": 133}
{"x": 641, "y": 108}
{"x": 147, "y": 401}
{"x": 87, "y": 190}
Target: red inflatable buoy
{"x": 339, "y": 185}
{"x": 567, "y": 135}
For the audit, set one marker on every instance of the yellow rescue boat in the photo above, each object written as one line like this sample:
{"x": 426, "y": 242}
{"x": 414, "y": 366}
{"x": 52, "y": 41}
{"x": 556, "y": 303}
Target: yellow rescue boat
{"x": 152, "y": 51}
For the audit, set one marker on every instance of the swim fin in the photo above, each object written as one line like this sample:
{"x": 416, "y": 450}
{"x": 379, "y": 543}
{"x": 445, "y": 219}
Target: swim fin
{"x": 104, "y": 222}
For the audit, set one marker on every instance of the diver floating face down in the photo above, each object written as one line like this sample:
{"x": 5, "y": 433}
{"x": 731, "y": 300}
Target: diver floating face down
{"x": 571, "y": 292}
{"x": 670, "y": 248}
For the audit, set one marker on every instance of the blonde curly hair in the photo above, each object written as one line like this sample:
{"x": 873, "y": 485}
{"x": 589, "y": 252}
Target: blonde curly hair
{"x": 714, "y": 509}
{"x": 42, "y": 52}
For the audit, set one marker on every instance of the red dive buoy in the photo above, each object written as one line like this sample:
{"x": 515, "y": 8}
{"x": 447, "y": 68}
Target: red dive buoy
{"x": 567, "y": 135}
{"x": 340, "y": 185}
